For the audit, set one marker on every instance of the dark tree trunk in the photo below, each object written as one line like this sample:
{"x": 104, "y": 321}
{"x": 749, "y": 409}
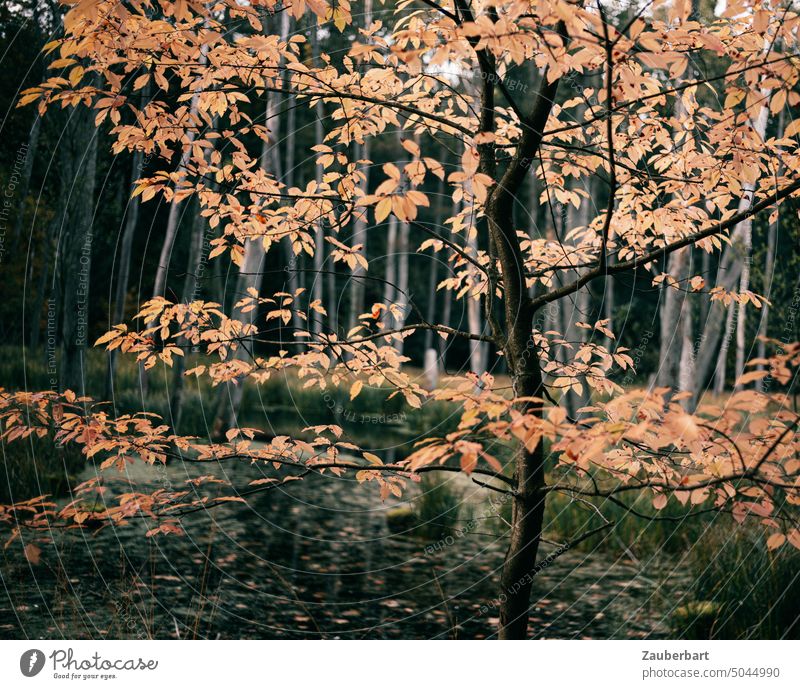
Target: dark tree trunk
{"x": 123, "y": 273}
{"x": 76, "y": 247}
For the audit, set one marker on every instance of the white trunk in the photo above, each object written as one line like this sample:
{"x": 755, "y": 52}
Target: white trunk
{"x": 357, "y": 283}
{"x": 319, "y": 237}
{"x": 673, "y": 305}
{"x": 173, "y": 219}
{"x": 730, "y": 274}
{"x": 403, "y": 296}
{"x": 390, "y": 285}
{"x": 744, "y": 284}
{"x": 720, "y": 371}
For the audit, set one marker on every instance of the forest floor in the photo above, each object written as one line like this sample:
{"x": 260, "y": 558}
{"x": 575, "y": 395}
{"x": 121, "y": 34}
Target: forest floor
{"x": 317, "y": 559}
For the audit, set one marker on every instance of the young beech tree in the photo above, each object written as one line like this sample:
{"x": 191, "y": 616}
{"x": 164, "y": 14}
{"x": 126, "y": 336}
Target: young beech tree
{"x": 564, "y": 91}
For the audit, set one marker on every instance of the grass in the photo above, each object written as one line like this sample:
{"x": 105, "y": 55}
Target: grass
{"x": 739, "y": 589}
{"x": 732, "y": 587}
{"x": 34, "y": 466}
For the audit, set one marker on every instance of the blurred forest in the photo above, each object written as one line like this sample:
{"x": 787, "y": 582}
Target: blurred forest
{"x": 79, "y": 253}
{"x": 68, "y": 219}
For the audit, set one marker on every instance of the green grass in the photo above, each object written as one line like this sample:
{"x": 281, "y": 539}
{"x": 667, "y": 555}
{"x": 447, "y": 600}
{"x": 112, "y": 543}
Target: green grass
{"x": 670, "y": 530}
{"x": 739, "y": 589}
{"x": 35, "y": 466}
{"x": 732, "y": 586}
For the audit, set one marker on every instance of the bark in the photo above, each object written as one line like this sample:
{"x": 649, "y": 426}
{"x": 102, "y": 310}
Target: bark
{"x": 123, "y": 273}
{"x": 390, "y": 284}
{"x": 25, "y": 177}
{"x": 686, "y": 368}
{"x": 359, "y": 239}
{"x": 189, "y": 294}
{"x": 715, "y": 324}
{"x": 720, "y": 370}
{"x": 273, "y": 117}
{"x": 523, "y": 360}
{"x": 574, "y": 309}
{"x": 673, "y": 306}
{"x": 317, "y": 292}
{"x": 173, "y": 219}
{"x": 769, "y": 275}
{"x": 430, "y": 313}
{"x": 357, "y": 286}
{"x": 250, "y": 277}
{"x": 728, "y": 276}
{"x": 403, "y": 296}
{"x": 608, "y": 308}
{"x": 447, "y": 307}
{"x": 477, "y": 349}
{"x": 230, "y": 396}
{"x": 76, "y": 246}
{"x": 741, "y": 316}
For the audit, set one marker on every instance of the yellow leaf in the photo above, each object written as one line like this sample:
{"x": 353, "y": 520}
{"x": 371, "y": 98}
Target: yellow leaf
{"x": 776, "y": 541}
{"x": 373, "y": 459}
{"x": 383, "y": 209}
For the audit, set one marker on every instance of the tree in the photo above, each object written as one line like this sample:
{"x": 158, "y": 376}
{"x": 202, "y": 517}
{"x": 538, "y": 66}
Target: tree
{"x": 653, "y": 195}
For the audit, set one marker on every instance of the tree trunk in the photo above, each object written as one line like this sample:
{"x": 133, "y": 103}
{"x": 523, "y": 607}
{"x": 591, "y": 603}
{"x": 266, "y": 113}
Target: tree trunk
{"x": 574, "y": 309}
{"x": 519, "y": 347}
{"x": 357, "y": 286}
{"x": 160, "y": 282}
{"x": 686, "y": 366}
{"x": 477, "y": 349}
{"x": 390, "y": 284}
{"x": 250, "y": 277}
{"x": 529, "y": 478}
{"x": 608, "y": 308}
{"x": 76, "y": 248}
{"x": 123, "y": 273}
{"x": 769, "y": 274}
{"x": 430, "y": 313}
{"x": 671, "y": 316}
{"x": 741, "y": 316}
{"x": 720, "y": 371}
{"x": 447, "y": 307}
{"x": 280, "y": 171}
{"x": 25, "y": 177}
{"x": 728, "y": 277}
{"x": 190, "y": 293}
{"x": 402, "y": 279}
{"x": 317, "y": 293}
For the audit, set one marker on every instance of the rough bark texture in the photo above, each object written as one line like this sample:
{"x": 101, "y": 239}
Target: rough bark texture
{"x": 523, "y": 360}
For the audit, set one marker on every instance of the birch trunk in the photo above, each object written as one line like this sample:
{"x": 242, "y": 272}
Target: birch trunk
{"x": 729, "y": 275}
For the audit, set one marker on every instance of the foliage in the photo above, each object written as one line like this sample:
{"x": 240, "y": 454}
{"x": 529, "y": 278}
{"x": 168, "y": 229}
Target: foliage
{"x": 682, "y": 165}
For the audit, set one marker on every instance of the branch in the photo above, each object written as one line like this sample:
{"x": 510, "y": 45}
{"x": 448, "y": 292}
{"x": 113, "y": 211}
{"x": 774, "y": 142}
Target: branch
{"x": 633, "y": 263}
{"x": 612, "y": 193}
